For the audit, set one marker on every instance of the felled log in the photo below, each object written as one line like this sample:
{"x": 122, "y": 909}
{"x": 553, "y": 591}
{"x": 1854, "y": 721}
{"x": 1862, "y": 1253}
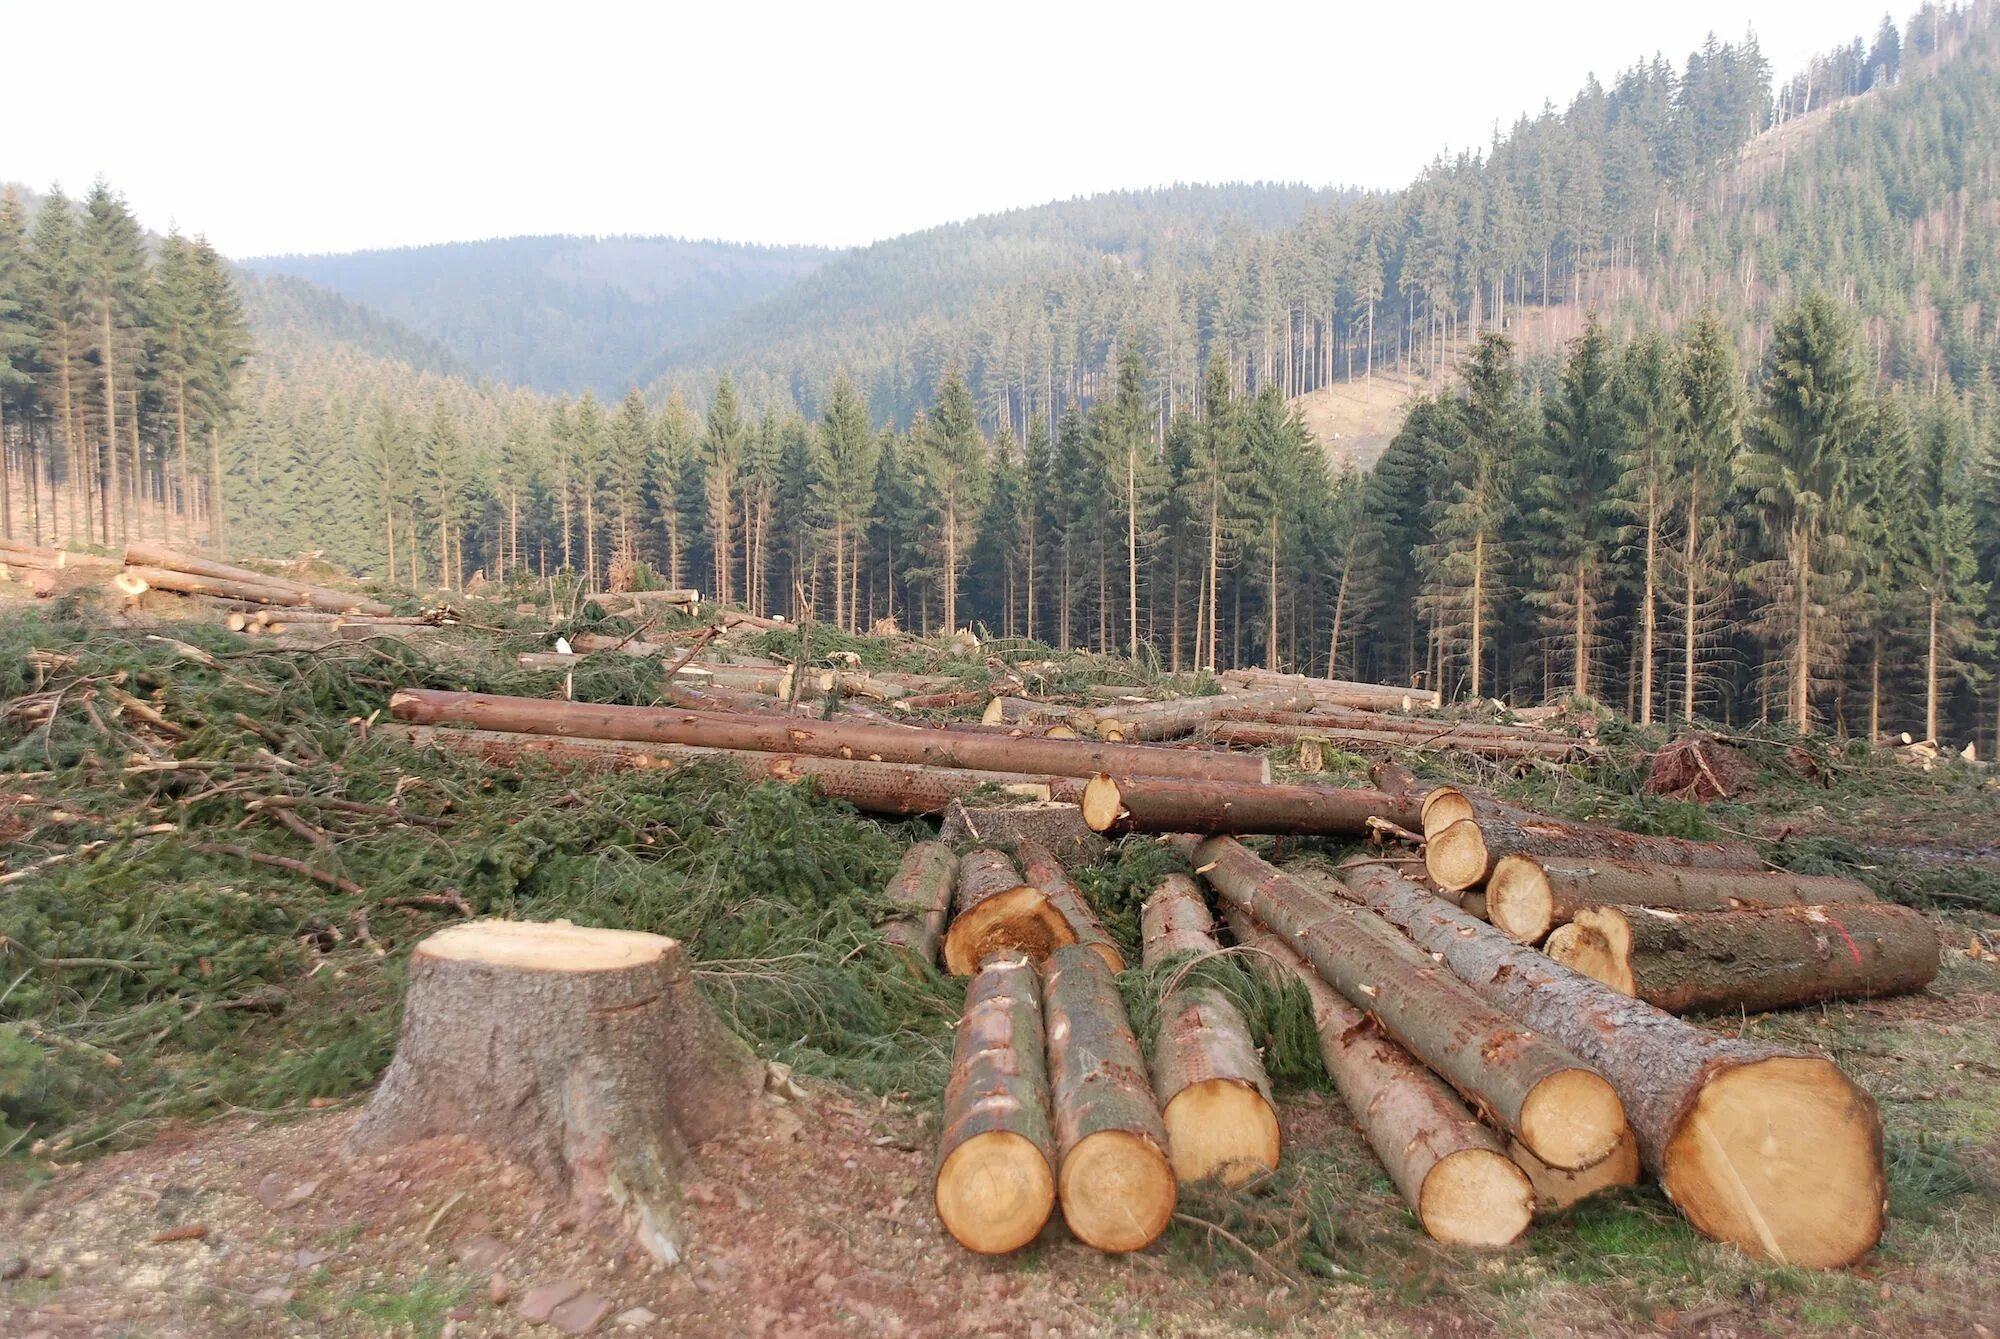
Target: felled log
{"x": 136, "y": 581}
{"x": 645, "y": 597}
{"x": 1557, "y": 1189}
{"x": 1041, "y": 869}
{"x": 1184, "y": 716}
{"x": 921, "y": 893}
{"x": 546, "y": 660}
{"x": 1215, "y": 1098}
{"x": 1535, "y": 1089}
{"x": 962, "y": 697}
{"x": 1022, "y": 711}
{"x": 999, "y": 912}
{"x": 1114, "y": 1182}
{"x": 1526, "y": 896}
{"x": 1768, "y": 1148}
{"x": 1263, "y": 734}
{"x": 1449, "y": 1168}
{"x": 901, "y": 790}
{"x": 142, "y": 555}
{"x": 1160, "y": 804}
{"x": 1778, "y": 958}
{"x": 996, "y": 1186}
{"x": 1059, "y": 827}
{"x": 843, "y": 739}
{"x": 612, "y": 1063}
{"x": 1340, "y": 692}
{"x": 1462, "y": 854}
{"x": 30, "y": 557}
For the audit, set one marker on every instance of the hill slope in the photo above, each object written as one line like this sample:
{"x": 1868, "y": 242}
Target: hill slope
{"x": 556, "y": 313}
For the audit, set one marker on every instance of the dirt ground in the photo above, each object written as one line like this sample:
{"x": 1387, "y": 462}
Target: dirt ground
{"x": 817, "y": 1221}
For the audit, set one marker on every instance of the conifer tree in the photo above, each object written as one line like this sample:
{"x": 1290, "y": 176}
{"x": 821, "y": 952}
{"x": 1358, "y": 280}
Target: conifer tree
{"x": 675, "y": 473}
{"x": 1797, "y": 469}
{"x": 17, "y": 339}
{"x": 224, "y": 350}
{"x": 954, "y": 474}
{"x": 113, "y": 271}
{"x": 1943, "y": 535}
{"x": 627, "y": 447}
{"x": 1035, "y": 461}
{"x": 845, "y": 491}
{"x": 1708, "y": 435}
{"x": 57, "y": 286}
{"x": 1473, "y": 505}
{"x": 1650, "y": 407}
{"x": 721, "y": 455}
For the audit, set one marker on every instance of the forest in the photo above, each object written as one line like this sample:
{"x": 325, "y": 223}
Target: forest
{"x": 1762, "y": 482}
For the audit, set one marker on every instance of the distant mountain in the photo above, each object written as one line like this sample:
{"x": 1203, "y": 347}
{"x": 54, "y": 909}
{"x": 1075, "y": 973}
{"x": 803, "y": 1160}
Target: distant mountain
{"x": 295, "y": 321}
{"x": 557, "y": 313}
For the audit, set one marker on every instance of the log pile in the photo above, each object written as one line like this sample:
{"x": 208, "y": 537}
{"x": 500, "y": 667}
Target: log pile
{"x": 153, "y": 567}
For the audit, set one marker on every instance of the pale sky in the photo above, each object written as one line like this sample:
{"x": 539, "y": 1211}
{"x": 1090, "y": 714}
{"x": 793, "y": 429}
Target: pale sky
{"x": 299, "y": 126}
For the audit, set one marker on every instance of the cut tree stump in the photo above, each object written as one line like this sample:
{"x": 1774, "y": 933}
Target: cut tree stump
{"x": 1527, "y": 897}
{"x": 999, "y": 913}
{"x": 1520, "y": 1080}
{"x": 996, "y": 1185}
{"x": 921, "y": 893}
{"x": 1040, "y": 868}
{"x": 1115, "y": 1184}
{"x": 588, "y": 1054}
{"x": 1449, "y": 1168}
{"x": 1215, "y": 1097}
{"x": 1773, "y": 1150}
{"x": 1778, "y": 958}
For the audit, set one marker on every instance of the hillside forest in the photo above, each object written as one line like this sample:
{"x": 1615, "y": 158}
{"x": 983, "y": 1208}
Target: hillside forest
{"x": 1753, "y": 472}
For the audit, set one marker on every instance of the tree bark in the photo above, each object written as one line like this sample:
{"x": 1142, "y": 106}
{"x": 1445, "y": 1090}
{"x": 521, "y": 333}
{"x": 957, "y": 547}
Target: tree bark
{"x": 1163, "y": 804}
{"x": 1441, "y": 739}
{"x": 588, "y": 1054}
{"x": 1773, "y": 1150}
{"x": 1341, "y": 692}
{"x": 138, "y": 580}
{"x": 139, "y": 554}
{"x": 995, "y": 1186}
{"x": 999, "y": 913}
{"x": 921, "y": 894}
{"x": 842, "y": 739}
{"x": 1183, "y": 716}
{"x": 1749, "y": 961}
{"x": 1115, "y": 1182}
{"x": 1449, "y": 1168}
{"x": 1215, "y": 1098}
{"x": 1536, "y": 1090}
{"x": 1041, "y": 869}
{"x": 1527, "y": 897}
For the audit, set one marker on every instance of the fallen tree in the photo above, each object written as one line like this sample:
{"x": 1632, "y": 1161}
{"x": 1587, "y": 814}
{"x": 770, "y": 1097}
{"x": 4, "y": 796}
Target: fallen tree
{"x": 921, "y": 894}
{"x": 1778, "y": 958}
{"x": 1449, "y": 1168}
{"x": 995, "y": 1185}
{"x": 1462, "y": 853}
{"x": 901, "y": 790}
{"x": 1264, "y": 734}
{"x": 1338, "y": 692}
{"x": 157, "y": 557}
{"x": 1527, "y": 896}
{"x": 1000, "y": 913}
{"x": 136, "y": 581}
{"x": 840, "y": 738}
{"x": 1537, "y": 1090}
{"x": 1115, "y": 1183}
{"x": 1184, "y": 716}
{"x": 1768, "y": 1148}
{"x": 612, "y": 1064}
{"x": 1215, "y": 1098}
{"x": 1159, "y": 804}
{"x": 1041, "y": 869}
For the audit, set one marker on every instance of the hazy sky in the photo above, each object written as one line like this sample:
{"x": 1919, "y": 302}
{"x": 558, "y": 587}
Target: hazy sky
{"x": 296, "y": 126}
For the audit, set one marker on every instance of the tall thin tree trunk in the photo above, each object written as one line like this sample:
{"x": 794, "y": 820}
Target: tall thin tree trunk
{"x": 1689, "y": 614}
{"x": 1931, "y": 674}
{"x": 1478, "y": 615}
{"x": 217, "y": 529}
{"x": 1801, "y": 693}
{"x": 1132, "y": 532}
{"x": 1647, "y": 608}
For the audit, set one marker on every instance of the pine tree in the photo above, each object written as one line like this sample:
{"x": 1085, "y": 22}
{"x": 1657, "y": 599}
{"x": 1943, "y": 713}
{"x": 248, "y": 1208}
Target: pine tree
{"x": 223, "y": 351}
{"x": 954, "y": 474}
{"x": 845, "y": 493}
{"x": 1797, "y": 470}
{"x": 1708, "y": 436}
{"x": 721, "y": 455}
{"x": 113, "y": 270}
{"x": 1221, "y": 481}
{"x": 1473, "y": 504}
{"x": 627, "y": 448}
{"x": 57, "y": 286}
{"x": 17, "y": 339}
{"x": 1649, "y": 406}
{"x": 1035, "y": 462}
{"x": 1943, "y": 535}
{"x": 675, "y": 471}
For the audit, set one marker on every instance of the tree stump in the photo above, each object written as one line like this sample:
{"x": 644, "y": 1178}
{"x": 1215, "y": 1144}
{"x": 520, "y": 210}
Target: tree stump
{"x": 588, "y": 1054}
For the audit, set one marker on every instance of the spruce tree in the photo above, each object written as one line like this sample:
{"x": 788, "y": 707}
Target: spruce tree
{"x": 627, "y": 448}
{"x": 721, "y": 456}
{"x": 56, "y": 282}
{"x": 1943, "y": 541}
{"x": 847, "y": 451}
{"x": 1708, "y": 435}
{"x": 1649, "y": 406}
{"x": 17, "y": 339}
{"x": 223, "y": 352}
{"x": 1473, "y": 504}
{"x": 954, "y": 473}
{"x": 112, "y": 265}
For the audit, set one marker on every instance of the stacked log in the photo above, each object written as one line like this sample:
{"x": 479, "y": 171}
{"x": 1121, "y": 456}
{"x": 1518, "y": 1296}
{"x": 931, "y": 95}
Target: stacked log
{"x": 995, "y": 1185}
{"x": 1215, "y": 1098}
{"x": 1161, "y": 804}
{"x": 1115, "y": 1182}
{"x": 1040, "y": 869}
{"x": 1773, "y": 1150}
{"x": 30, "y": 557}
{"x": 155, "y": 566}
{"x": 1528, "y": 896}
{"x": 840, "y": 738}
{"x": 1449, "y": 1168}
{"x": 1184, "y": 716}
{"x": 1022, "y": 711}
{"x": 920, "y": 892}
{"x": 998, "y": 912}
{"x": 1538, "y": 1091}
{"x": 1264, "y": 734}
{"x": 899, "y": 790}
{"x": 1777, "y": 958}
{"x": 1338, "y": 692}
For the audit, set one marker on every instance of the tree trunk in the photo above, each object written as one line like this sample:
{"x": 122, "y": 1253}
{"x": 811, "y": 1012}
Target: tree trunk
{"x": 1164, "y": 804}
{"x": 1215, "y": 1097}
{"x": 921, "y": 894}
{"x": 999, "y": 913}
{"x": 1541, "y": 1093}
{"x": 1341, "y": 692}
{"x": 1691, "y": 615}
{"x": 1648, "y": 602}
{"x": 1042, "y": 870}
{"x": 996, "y": 1186}
{"x": 1527, "y": 897}
{"x": 1449, "y": 1168}
{"x": 1775, "y": 1151}
{"x": 588, "y": 1054}
{"x": 1441, "y": 738}
{"x": 1116, "y": 1185}
{"x": 1462, "y": 854}
{"x": 1183, "y": 716}
{"x": 1931, "y": 673}
{"x": 138, "y": 580}
{"x": 143, "y": 555}
{"x": 839, "y": 739}
{"x": 1749, "y": 961}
